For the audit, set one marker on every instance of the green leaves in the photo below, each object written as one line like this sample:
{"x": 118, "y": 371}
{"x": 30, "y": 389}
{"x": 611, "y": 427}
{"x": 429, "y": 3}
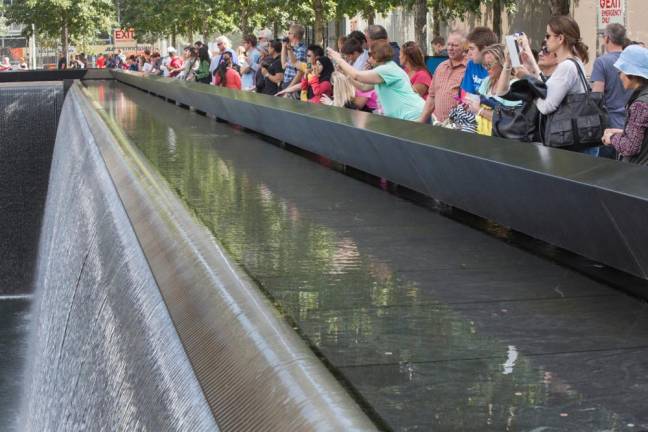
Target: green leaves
{"x": 82, "y": 18}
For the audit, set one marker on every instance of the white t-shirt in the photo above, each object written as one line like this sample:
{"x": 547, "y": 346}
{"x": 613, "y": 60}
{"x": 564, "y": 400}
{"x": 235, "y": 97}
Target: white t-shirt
{"x": 564, "y": 81}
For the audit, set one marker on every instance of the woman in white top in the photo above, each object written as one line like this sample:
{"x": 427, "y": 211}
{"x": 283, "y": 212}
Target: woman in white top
{"x": 563, "y": 39}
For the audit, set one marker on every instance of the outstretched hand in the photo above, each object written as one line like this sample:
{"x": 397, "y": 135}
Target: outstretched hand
{"x": 333, "y": 55}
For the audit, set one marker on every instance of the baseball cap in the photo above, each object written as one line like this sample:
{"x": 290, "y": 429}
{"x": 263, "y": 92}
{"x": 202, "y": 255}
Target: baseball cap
{"x": 171, "y": 50}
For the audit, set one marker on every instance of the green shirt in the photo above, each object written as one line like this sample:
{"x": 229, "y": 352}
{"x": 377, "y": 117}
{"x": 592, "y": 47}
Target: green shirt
{"x": 203, "y": 70}
{"x": 396, "y": 95}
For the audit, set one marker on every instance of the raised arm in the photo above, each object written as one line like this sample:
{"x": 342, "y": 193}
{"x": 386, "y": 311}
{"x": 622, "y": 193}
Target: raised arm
{"x": 365, "y": 77}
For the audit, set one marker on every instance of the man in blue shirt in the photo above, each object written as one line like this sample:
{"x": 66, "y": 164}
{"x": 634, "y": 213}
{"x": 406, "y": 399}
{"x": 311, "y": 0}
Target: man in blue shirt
{"x": 478, "y": 39}
{"x": 606, "y": 79}
{"x": 251, "y": 65}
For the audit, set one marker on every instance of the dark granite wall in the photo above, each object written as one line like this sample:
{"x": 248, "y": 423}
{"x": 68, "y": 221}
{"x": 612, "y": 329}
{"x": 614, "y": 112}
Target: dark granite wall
{"x": 29, "y": 114}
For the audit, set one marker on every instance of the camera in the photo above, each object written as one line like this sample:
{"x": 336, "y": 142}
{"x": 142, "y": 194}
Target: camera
{"x": 285, "y": 39}
{"x": 266, "y": 65}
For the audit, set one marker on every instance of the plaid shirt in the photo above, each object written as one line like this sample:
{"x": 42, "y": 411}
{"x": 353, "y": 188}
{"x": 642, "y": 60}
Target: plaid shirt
{"x": 291, "y": 72}
{"x": 445, "y": 86}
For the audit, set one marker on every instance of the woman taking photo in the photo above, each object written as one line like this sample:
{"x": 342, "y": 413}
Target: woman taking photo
{"x": 575, "y": 120}
{"x": 564, "y": 40}
{"x": 392, "y": 84}
{"x": 411, "y": 58}
{"x": 632, "y": 142}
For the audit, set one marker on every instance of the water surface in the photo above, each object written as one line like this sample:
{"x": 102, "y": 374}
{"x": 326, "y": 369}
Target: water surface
{"x": 434, "y": 325}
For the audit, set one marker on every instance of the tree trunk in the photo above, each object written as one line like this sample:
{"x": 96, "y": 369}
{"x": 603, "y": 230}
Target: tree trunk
{"x": 275, "y": 29}
{"x": 318, "y": 9}
{"x": 436, "y": 22}
{"x": 65, "y": 41}
{"x": 560, "y": 7}
{"x": 338, "y": 28}
{"x": 370, "y": 16}
{"x": 173, "y": 38}
{"x": 420, "y": 24}
{"x": 497, "y": 18}
{"x": 245, "y": 23}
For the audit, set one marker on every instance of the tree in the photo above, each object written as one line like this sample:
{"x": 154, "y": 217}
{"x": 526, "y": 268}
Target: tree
{"x": 68, "y": 19}
{"x": 560, "y": 7}
{"x": 154, "y": 19}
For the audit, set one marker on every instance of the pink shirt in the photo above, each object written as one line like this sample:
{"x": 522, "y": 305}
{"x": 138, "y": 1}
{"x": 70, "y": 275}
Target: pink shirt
{"x": 422, "y": 76}
{"x": 372, "y": 98}
{"x": 232, "y": 77}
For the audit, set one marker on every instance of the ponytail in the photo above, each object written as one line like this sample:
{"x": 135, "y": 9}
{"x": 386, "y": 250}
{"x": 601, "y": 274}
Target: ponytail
{"x": 566, "y": 26}
{"x": 581, "y": 50}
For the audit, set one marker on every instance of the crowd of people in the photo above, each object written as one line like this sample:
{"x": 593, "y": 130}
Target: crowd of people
{"x": 475, "y": 90}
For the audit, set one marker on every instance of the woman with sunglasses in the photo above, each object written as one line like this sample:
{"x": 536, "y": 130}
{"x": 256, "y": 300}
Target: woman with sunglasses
{"x": 563, "y": 39}
{"x": 392, "y": 84}
{"x": 496, "y": 84}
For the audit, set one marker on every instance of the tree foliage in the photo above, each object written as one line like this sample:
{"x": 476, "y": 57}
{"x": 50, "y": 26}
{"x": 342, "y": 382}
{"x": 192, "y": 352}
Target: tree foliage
{"x": 70, "y": 20}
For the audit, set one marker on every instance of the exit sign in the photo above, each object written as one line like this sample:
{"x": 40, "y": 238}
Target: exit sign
{"x": 610, "y": 11}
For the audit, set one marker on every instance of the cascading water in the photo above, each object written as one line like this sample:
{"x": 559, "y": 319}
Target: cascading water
{"x": 103, "y": 352}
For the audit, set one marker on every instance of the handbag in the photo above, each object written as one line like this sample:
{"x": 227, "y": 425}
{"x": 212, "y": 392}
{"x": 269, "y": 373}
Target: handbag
{"x": 520, "y": 122}
{"x": 578, "y": 122}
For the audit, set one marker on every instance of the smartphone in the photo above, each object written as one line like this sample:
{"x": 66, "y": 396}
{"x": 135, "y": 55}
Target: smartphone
{"x": 514, "y": 50}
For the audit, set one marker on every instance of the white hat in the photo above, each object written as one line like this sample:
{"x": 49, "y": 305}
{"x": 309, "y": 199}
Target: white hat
{"x": 171, "y": 49}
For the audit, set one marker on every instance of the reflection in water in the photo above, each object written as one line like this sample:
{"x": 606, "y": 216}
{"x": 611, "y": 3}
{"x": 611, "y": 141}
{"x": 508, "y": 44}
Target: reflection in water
{"x": 348, "y": 303}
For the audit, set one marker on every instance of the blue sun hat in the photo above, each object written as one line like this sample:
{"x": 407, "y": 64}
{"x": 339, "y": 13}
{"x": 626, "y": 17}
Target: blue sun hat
{"x": 633, "y": 61}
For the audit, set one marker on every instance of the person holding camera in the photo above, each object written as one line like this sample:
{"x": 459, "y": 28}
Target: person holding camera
{"x": 292, "y": 51}
{"x": 568, "y": 80}
{"x": 305, "y": 70}
{"x": 271, "y": 70}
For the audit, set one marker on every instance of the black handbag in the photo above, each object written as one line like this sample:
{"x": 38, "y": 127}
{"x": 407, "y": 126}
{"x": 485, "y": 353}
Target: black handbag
{"x": 521, "y": 122}
{"x": 578, "y": 122}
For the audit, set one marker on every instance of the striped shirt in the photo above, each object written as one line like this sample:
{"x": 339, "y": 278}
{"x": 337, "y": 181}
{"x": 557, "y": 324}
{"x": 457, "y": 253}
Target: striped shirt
{"x": 445, "y": 86}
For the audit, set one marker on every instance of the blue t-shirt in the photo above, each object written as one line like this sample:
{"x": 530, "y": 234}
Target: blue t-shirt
{"x": 475, "y": 74}
{"x": 249, "y": 78}
{"x": 615, "y": 97}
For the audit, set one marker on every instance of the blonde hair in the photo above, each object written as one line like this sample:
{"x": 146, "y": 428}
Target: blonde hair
{"x": 497, "y": 51}
{"x": 343, "y": 89}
